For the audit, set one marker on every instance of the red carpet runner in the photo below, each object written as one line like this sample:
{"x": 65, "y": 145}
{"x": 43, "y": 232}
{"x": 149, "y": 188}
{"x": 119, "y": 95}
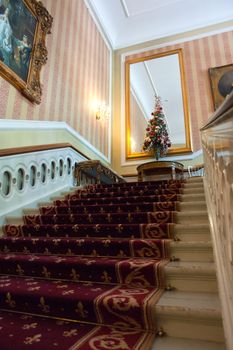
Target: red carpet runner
{"x": 87, "y": 271}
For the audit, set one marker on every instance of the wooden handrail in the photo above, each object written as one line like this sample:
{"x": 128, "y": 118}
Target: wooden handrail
{"x": 95, "y": 170}
{"x": 38, "y": 148}
{"x": 217, "y": 143}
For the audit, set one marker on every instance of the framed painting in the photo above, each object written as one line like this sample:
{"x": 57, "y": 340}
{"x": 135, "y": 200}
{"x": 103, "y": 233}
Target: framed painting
{"x": 221, "y": 81}
{"x": 24, "y": 25}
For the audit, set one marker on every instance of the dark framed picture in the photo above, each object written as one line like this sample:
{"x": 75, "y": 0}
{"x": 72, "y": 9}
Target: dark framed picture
{"x": 221, "y": 81}
{"x": 23, "y": 28}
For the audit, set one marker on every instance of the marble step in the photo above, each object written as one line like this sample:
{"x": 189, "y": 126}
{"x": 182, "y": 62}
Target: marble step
{"x": 192, "y": 251}
{"x": 195, "y": 206}
{"x": 14, "y": 220}
{"x": 191, "y": 315}
{"x": 32, "y": 211}
{"x": 195, "y": 179}
{"x": 192, "y": 190}
{"x": 192, "y": 217}
{"x": 191, "y": 276}
{"x": 191, "y": 232}
{"x": 195, "y": 197}
{"x": 194, "y": 185}
{"x": 174, "y": 343}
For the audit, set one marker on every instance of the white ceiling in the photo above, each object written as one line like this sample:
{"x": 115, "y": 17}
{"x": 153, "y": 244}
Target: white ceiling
{"x": 129, "y": 22}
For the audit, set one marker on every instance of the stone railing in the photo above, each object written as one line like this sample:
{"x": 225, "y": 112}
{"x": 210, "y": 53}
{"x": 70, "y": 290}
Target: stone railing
{"x": 30, "y": 173}
{"x": 217, "y": 140}
{"x": 94, "y": 172}
{"x": 196, "y": 170}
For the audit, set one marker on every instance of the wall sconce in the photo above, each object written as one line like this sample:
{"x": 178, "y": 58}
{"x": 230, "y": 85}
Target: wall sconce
{"x": 102, "y": 112}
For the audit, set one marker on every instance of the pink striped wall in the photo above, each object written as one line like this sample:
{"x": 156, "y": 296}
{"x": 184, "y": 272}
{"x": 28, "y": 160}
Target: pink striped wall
{"x": 199, "y": 56}
{"x": 76, "y": 74}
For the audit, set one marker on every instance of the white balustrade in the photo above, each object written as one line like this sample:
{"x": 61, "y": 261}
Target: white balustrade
{"x": 217, "y": 139}
{"x": 25, "y": 178}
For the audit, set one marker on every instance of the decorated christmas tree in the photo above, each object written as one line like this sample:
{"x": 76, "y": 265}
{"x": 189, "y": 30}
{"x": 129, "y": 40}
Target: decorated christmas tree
{"x": 157, "y": 139}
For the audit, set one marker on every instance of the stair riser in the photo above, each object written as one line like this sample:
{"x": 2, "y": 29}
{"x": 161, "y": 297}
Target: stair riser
{"x": 195, "y": 179}
{"x": 194, "y": 190}
{"x": 191, "y": 218}
{"x": 175, "y": 343}
{"x": 189, "y": 329}
{"x": 192, "y": 198}
{"x": 192, "y": 229}
{"x": 14, "y": 220}
{"x": 193, "y": 255}
{"x": 194, "y": 185}
{"x": 189, "y": 206}
{"x": 196, "y": 284}
{"x": 193, "y": 236}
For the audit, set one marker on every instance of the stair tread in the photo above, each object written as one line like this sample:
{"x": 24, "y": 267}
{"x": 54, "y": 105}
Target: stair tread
{"x": 189, "y": 266}
{"x": 191, "y": 244}
{"x": 193, "y": 212}
{"x": 168, "y": 343}
{"x": 192, "y": 225}
{"x": 198, "y": 302}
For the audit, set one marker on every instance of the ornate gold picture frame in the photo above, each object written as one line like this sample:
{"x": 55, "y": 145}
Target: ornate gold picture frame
{"x": 24, "y": 25}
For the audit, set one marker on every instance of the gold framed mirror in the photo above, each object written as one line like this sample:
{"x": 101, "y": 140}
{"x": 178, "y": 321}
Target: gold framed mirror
{"x": 153, "y": 75}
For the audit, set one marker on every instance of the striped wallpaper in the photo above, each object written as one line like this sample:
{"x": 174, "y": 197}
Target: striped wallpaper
{"x": 77, "y": 74}
{"x": 200, "y": 55}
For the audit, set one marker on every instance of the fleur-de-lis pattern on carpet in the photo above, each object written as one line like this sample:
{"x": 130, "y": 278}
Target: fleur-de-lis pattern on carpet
{"x": 95, "y": 256}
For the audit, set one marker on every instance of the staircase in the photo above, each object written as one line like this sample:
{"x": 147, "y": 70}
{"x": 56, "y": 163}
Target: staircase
{"x": 188, "y": 313}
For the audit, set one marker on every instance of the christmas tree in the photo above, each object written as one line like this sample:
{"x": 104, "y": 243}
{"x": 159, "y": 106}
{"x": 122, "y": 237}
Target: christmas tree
{"x": 157, "y": 139}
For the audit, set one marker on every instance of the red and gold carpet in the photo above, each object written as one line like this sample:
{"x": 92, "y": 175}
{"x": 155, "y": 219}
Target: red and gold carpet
{"x": 86, "y": 272}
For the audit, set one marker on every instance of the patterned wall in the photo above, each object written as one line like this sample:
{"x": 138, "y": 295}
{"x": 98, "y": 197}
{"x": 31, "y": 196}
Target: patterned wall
{"x": 200, "y": 55}
{"x": 76, "y": 74}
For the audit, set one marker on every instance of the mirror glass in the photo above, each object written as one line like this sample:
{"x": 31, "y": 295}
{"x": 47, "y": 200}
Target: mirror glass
{"x": 156, "y": 75}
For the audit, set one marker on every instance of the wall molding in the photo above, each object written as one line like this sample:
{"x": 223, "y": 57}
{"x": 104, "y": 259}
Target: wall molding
{"x": 188, "y": 35}
{"x": 16, "y": 125}
{"x": 171, "y": 42}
